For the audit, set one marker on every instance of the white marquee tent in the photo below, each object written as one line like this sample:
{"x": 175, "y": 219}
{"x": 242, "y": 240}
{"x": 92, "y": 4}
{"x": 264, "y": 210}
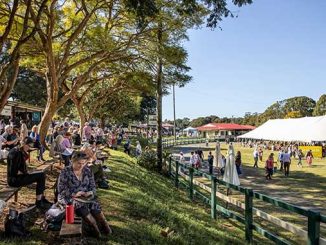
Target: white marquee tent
{"x": 306, "y": 129}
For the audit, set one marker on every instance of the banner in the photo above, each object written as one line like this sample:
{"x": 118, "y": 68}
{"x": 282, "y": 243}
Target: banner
{"x": 317, "y": 151}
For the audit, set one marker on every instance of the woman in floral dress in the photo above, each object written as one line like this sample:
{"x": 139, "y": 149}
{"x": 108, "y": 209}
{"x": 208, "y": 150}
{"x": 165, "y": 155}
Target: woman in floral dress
{"x": 77, "y": 184}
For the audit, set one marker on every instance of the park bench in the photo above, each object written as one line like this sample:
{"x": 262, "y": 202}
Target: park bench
{"x": 72, "y": 232}
{"x": 6, "y": 192}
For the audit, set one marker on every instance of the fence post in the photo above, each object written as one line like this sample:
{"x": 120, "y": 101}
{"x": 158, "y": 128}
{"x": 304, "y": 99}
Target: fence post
{"x": 313, "y": 227}
{"x": 170, "y": 166}
{"x": 176, "y": 180}
{"x": 248, "y": 214}
{"x": 191, "y": 183}
{"x": 213, "y": 197}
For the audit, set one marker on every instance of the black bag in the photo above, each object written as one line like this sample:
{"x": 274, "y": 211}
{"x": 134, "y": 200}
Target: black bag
{"x": 15, "y": 225}
{"x": 53, "y": 218}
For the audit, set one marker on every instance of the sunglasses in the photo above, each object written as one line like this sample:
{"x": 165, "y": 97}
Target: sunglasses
{"x": 79, "y": 155}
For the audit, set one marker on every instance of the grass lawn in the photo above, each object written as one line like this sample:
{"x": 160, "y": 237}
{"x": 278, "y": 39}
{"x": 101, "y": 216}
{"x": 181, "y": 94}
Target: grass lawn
{"x": 139, "y": 205}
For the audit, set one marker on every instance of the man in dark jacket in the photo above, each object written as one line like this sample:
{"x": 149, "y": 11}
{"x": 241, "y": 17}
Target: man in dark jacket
{"x": 18, "y": 176}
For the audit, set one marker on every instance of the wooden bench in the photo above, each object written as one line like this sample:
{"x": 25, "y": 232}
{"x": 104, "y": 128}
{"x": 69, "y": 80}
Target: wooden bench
{"x": 7, "y": 192}
{"x": 73, "y": 232}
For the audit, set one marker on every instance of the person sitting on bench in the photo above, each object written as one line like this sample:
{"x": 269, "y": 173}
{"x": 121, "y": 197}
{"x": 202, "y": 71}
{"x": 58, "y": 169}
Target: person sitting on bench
{"x": 76, "y": 182}
{"x": 10, "y": 137}
{"x": 37, "y": 143}
{"x": 17, "y": 175}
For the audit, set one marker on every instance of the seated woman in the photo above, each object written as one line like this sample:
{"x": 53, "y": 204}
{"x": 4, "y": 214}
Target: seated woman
{"x": 77, "y": 182}
{"x": 37, "y": 144}
{"x": 66, "y": 150}
{"x": 96, "y": 166}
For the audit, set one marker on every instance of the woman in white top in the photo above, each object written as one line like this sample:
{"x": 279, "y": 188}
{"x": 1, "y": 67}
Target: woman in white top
{"x": 138, "y": 149}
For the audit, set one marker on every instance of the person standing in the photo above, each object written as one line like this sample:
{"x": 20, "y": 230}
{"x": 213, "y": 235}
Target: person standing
{"x": 210, "y": 160}
{"x": 138, "y": 148}
{"x": 255, "y": 154}
{"x": 23, "y": 130}
{"x": 300, "y": 156}
{"x": 309, "y": 158}
{"x": 238, "y": 162}
{"x": 269, "y": 166}
{"x": 286, "y": 163}
{"x": 260, "y": 154}
{"x": 280, "y": 158}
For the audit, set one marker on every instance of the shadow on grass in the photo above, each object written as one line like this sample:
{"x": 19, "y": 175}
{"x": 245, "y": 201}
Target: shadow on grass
{"x": 141, "y": 203}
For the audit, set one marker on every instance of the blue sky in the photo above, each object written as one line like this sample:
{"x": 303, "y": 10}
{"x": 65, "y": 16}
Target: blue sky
{"x": 273, "y": 50}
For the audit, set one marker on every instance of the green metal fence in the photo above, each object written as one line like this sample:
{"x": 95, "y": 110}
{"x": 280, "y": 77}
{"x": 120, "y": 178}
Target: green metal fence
{"x": 171, "y": 142}
{"x": 314, "y": 217}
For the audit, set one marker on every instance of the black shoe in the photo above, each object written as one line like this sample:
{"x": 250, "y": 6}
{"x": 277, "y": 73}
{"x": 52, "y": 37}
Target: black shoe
{"x": 46, "y": 202}
{"x": 40, "y": 205}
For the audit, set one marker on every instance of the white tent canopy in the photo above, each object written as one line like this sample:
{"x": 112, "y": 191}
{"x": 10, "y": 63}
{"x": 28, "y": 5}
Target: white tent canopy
{"x": 189, "y": 129}
{"x": 306, "y": 129}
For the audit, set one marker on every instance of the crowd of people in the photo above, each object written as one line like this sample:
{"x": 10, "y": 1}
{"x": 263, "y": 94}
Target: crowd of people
{"x": 84, "y": 170}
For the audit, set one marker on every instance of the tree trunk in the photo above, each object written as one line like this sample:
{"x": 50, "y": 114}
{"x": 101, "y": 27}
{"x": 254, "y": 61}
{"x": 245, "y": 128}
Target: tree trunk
{"x": 102, "y": 122}
{"x": 82, "y": 116}
{"x": 159, "y": 101}
{"x": 49, "y": 112}
{"x": 8, "y": 83}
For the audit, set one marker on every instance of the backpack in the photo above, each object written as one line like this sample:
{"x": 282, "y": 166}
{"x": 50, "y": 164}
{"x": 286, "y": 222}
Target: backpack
{"x": 15, "y": 225}
{"x": 53, "y": 218}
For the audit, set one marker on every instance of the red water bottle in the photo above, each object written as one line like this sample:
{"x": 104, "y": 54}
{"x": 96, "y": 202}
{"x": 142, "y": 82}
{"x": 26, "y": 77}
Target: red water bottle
{"x": 70, "y": 213}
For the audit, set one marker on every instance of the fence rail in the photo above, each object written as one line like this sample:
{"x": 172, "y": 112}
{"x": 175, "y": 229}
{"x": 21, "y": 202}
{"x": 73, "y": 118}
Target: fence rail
{"x": 312, "y": 235}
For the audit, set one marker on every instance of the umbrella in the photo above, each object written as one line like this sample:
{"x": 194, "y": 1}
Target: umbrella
{"x": 230, "y": 174}
{"x": 218, "y": 161}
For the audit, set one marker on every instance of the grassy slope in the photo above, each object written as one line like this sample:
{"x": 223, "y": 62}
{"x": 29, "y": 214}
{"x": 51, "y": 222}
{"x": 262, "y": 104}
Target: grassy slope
{"x": 140, "y": 204}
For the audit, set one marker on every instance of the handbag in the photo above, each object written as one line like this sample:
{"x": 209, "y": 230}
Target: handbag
{"x": 15, "y": 225}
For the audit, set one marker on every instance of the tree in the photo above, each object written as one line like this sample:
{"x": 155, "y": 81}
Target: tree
{"x": 302, "y": 104}
{"x": 30, "y": 81}
{"x": 293, "y": 114}
{"x": 16, "y": 29}
{"x": 74, "y": 41}
{"x": 320, "y": 108}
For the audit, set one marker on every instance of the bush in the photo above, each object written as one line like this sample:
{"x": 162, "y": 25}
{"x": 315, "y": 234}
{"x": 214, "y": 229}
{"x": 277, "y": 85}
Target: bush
{"x": 148, "y": 159}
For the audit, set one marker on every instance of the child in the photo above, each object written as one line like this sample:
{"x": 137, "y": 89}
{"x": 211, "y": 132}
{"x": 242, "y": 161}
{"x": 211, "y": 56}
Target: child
{"x": 269, "y": 166}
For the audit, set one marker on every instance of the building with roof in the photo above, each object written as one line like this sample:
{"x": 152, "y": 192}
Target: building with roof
{"x": 223, "y": 130}
{"x": 17, "y": 111}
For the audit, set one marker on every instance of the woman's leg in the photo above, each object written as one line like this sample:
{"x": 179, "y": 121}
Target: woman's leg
{"x": 101, "y": 220}
{"x": 89, "y": 219}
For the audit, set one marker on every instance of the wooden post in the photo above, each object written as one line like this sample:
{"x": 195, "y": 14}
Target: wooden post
{"x": 176, "y": 180}
{"x": 313, "y": 227}
{"x": 248, "y": 214}
{"x": 170, "y": 166}
{"x": 213, "y": 197}
{"x": 191, "y": 183}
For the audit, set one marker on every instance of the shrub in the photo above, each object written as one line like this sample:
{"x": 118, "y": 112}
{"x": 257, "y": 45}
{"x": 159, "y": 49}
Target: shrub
{"x": 148, "y": 159}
